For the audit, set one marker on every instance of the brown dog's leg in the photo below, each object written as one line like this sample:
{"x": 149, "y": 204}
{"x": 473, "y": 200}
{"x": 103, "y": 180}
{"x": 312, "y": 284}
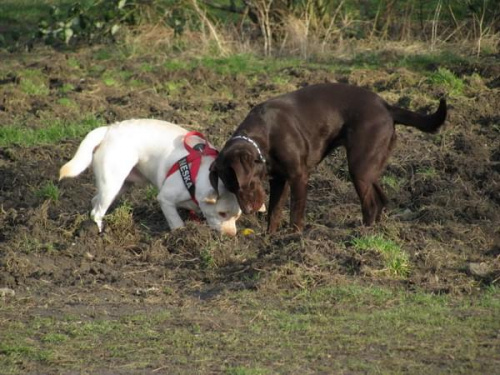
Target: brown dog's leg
{"x": 298, "y": 188}
{"x": 369, "y": 203}
{"x": 279, "y": 189}
{"x": 366, "y": 157}
{"x": 382, "y": 199}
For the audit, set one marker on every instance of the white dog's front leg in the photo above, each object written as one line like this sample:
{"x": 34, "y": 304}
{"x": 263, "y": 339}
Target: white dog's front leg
{"x": 170, "y": 211}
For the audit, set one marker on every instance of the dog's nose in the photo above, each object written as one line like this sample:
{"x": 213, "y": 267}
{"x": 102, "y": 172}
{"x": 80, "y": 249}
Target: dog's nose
{"x": 229, "y": 230}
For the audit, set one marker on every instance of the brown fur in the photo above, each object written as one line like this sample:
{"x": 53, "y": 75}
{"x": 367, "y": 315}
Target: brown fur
{"x": 297, "y": 130}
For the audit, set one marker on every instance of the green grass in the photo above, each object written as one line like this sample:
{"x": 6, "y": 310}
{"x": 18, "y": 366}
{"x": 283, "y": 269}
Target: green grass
{"x": 54, "y": 132}
{"x": 151, "y": 193}
{"x": 392, "y": 181}
{"x": 395, "y": 259}
{"x": 445, "y": 78}
{"x": 110, "y": 81}
{"x": 67, "y": 87}
{"x": 337, "y": 329}
{"x": 250, "y": 65}
{"x": 427, "y": 61}
{"x": 121, "y": 218}
{"x": 247, "y": 64}
{"x": 33, "y": 82}
{"x": 67, "y": 102}
{"x": 30, "y": 244}
{"x": 173, "y": 88}
{"x": 246, "y": 371}
{"x": 427, "y": 172}
{"x": 49, "y": 191}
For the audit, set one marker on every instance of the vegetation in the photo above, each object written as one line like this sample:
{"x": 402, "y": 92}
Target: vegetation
{"x": 299, "y": 27}
{"x": 417, "y": 293}
{"x": 395, "y": 260}
{"x": 291, "y": 333}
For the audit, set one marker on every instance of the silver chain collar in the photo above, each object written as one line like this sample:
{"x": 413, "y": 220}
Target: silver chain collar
{"x": 250, "y": 140}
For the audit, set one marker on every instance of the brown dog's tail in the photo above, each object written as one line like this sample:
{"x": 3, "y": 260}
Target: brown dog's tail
{"x": 425, "y": 123}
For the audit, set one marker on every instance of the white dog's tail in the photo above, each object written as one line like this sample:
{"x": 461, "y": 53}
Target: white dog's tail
{"x": 84, "y": 154}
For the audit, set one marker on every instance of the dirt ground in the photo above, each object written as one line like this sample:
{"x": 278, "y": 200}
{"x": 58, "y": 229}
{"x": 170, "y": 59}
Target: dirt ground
{"x": 444, "y": 190}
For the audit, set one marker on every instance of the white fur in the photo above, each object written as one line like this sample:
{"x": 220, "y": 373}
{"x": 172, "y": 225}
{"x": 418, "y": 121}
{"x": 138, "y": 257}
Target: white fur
{"x": 137, "y": 150}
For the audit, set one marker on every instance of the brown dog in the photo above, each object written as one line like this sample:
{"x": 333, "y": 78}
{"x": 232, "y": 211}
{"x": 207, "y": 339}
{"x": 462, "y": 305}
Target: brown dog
{"x": 289, "y": 135}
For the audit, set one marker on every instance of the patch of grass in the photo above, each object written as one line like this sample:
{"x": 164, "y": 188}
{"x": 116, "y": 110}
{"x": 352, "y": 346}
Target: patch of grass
{"x": 230, "y": 65}
{"x": 125, "y": 74}
{"x": 17, "y": 351}
{"x": 151, "y": 193}
{"x": 54, "y": 132}
{"x": 33, "y": 82}
{"x": 392, "y": 181}
{"x": 103, "y": 54}
{"x": 174, "y": 87}
{"x": 67, "y": 102}
{"x": 146, "y": 67}
{"x": 206, "y": 259}
{"x": 55, "y": 338}
{"x": 48, "y": 191}
{"x": 110, "y": 81}
{"x": 395, "y": 259}
{"x": 173, "y": 65}
{"x": 73, "y": 62}
{"x": 95, "y": 328}
{"x": 444, "y": 77}
{"x": 427, "y": 61}
{"x": 67, "y": 87}
{"x": 246, "y": 64}
{"x": 382, "y": 59}
{"x": 30, "y": 244}
{"x": 246, "y": 371}
{"x": 280, "y": 80}
{"x": 427, "y": 172}
{"x": 121, "y": 219}
{"x": 135, "y": 83}
{"x": 366, "y": 60}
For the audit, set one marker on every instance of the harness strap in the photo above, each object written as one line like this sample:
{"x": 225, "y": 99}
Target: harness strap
{"x": 195, "y": 153}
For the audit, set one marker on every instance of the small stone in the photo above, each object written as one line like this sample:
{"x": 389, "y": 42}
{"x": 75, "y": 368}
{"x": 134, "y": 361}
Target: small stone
{"x": 479, "y": 269}
{"x": 7, "y": 292}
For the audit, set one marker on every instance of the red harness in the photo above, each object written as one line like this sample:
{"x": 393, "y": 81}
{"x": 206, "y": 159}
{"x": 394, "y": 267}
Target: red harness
{"x": 195, "y": 153}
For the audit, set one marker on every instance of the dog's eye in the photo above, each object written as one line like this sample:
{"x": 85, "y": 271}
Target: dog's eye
{"x": 223, "y": 214}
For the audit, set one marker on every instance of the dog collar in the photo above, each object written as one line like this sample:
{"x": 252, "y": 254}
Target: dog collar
{"x": 250, "y": 140}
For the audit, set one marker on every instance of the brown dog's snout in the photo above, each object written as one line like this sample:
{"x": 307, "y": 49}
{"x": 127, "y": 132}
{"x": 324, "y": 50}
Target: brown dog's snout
{"x": 251, "y": 198}
{"x": 246, "y": 207}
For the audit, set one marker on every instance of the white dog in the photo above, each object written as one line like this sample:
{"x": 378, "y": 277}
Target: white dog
{"x": 138, "y": 150}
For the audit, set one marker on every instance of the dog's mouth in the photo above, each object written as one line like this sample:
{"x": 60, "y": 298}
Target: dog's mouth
{"x": 246, "y": 207}
{"x": 249, "y": 206}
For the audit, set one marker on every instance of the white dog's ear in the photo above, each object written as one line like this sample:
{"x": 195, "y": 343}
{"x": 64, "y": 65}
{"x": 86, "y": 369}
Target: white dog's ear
{"x": 211, "y": 198}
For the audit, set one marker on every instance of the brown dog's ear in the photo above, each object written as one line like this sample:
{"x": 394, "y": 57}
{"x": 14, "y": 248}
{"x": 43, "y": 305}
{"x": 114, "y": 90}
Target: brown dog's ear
{"x": 242, "y": 168}
{"x": 214, "y": 177}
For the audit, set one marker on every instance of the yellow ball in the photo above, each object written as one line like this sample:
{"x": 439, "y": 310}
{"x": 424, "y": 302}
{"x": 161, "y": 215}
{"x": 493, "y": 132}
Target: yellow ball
{"x": 247, "y": 231}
